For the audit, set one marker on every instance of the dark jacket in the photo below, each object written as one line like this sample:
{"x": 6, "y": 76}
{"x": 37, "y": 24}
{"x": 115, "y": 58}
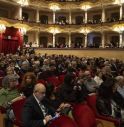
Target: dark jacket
{"x": 32, "y": 115}
{"x": 118, "y": 99}
{"x": 103, "y": 106}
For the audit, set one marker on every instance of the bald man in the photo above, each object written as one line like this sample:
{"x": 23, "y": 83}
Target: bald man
{"x": 35, "y": 112}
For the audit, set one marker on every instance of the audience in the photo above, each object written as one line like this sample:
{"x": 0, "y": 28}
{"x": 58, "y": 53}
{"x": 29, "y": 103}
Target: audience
{"x": 82, "y": 76}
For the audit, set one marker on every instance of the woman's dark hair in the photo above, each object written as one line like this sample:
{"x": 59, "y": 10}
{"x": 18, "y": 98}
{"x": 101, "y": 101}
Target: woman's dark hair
{"x": 69, "y": 78}
{"x": 49, "y": 90}
{"x": 32, "y": 76}
{"x": 106, "y": 88}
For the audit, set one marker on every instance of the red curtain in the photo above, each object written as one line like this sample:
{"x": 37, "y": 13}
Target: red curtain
{"x": 10, "y": 40}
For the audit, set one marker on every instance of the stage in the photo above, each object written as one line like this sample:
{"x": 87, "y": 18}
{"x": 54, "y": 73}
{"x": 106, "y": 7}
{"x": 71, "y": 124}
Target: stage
{"x": 117, "y": 53}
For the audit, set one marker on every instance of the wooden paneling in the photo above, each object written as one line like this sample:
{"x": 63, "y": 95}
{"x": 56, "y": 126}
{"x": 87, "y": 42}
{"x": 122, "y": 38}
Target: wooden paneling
{"x": 106, "y": 53}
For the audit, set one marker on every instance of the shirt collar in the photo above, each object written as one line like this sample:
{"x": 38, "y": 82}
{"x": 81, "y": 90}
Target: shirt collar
{"x": 36, "y": 99}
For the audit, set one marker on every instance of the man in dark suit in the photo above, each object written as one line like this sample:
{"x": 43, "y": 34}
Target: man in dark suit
{"x": 35, "y": 112}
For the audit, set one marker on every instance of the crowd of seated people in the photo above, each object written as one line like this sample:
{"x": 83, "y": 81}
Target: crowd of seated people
{"x": 81, "y": 77}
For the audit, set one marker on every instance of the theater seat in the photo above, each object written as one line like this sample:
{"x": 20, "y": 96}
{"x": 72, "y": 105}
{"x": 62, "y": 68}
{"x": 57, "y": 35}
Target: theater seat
{"x": 106, "y": 121}
{"x": 61, "y": 78}
{"x": 91, "y": 101}
{"x": 63, "y": 121}
{"x": 17, "y": 109}
{"x": 54, "y": 81}
{"x": 2, "y": 116}
{"x": 83, "y": 115}
{"x": 42, "y": 81}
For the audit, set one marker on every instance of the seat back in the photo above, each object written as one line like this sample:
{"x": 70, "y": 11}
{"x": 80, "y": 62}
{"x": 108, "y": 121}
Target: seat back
{"x": 84, "y": 116}
{"x": 63, "y": 121}
{"x": 17, "y": 107}
{"x": 91, "y": 101}
{"x": 61, "y": 78}
{"x": 54, "y": 81}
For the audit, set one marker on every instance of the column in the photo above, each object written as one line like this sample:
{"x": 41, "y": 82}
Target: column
{"x": 37, "y": 16}
{"x": 121, "y": 39}
{"x": 70, "y": 21}
{"x": 86, "y": 16}
{"x": 103, "y": 40}
{"x": 54, "y": 40}
{"x": 103, "y": 15}
{"x": 37, "y": 38}
{"x": 121, "y": 12}
{"x": 85, "y": 43}
{"x": 20, "y": 13}
{"x": 69, "y": 40}
{"x": 54, "y": 17}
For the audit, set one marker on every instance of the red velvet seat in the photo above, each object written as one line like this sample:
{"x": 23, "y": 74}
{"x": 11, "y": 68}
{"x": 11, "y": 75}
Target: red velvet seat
{"x": 84, "y": 116}
{"x": 61, "y": 78}
{"x": 63, "y": 121}
{"x": 17, "y": 107}
{"x": 54, "y": 81}
{"x": 91, "y": 100}
{"x": 42, "y": 81}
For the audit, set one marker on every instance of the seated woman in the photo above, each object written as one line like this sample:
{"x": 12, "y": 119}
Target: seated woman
{"x": 106, "y": 104}
{"x": 28, "y": 83}
{"x": 9, "y": 93}
{"x": 72, "y": 92}
{"x": 9, "y": 72}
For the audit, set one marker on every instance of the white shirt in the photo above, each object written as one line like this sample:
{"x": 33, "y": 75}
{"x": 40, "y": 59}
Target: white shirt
{"x": 98, "y": 80}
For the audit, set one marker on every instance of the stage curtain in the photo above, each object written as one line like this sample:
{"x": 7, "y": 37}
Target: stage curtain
{"x": 10, "y": 40}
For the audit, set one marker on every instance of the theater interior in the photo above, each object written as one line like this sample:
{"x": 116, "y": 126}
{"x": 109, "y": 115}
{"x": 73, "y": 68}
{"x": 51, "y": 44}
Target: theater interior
{"x": 53, "y": 41}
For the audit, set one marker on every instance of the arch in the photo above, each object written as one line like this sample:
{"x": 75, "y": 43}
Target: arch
{"x": 44, "y": 19}
{"x": 25, "y": 16}
{"x": 77, "y": 40}
{"x": 79, "y": 20}
{"x": 114, "y": 40}
{"x": 43, "y": 41}
{"x": 62, "y": 20}
{"x": 61, "y": 40}
{"x": 94, "y": 40}
{"x": 97, "y": 18}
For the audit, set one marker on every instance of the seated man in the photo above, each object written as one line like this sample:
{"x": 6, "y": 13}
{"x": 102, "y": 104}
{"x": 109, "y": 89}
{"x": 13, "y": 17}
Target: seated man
{"x": 89, "y": 82}
{"x": 35, "y": 112}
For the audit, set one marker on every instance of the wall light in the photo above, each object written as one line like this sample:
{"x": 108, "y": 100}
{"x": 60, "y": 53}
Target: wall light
{"x": 23, "y": 2}
{"x": 2, "y": 28}
{"x": 119, "y": 28}
{"x": 54, "y": 30}
{"x": 85, "y": 7}
{"x": 22, "y": 31}
{"x": 85, "y": 30}
{"x": 54, "y": 7}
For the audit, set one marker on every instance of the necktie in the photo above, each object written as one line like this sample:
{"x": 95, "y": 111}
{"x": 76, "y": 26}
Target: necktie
{"x": 44, "y": 110}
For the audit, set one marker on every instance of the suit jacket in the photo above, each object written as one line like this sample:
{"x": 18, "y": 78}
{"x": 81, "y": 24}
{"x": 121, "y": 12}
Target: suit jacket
{"x": 32, "y": 115}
